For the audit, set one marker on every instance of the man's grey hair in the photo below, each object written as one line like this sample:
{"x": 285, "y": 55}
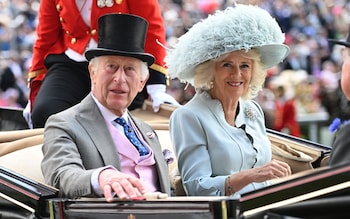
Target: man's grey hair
{"x": 144, "y": 67}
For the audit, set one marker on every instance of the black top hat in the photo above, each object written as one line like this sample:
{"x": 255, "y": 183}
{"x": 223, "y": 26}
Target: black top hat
{"x": 121, "y": 35}
{"x": 344, "y": 43}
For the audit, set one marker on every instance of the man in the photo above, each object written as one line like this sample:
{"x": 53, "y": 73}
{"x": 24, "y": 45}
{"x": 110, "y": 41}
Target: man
{"x": 340, "y": 153}
{"x": 86, "y": 152}
{"x": 58, "y": 75}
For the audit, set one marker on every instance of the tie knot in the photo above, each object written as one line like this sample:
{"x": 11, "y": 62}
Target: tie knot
{"x": 130, "y": 134}
{"x": 121, "y": 121}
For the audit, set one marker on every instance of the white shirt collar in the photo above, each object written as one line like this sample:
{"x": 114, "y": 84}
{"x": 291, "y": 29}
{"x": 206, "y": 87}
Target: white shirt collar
{"x": 108, "y": 115}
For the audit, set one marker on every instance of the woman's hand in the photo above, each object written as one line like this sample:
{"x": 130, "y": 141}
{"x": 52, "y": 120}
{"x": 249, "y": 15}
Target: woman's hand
{"x": 272, "y": 170}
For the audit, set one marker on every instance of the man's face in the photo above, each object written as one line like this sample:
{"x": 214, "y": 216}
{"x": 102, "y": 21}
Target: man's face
{"x": 345, "y": 72}
{"x": 116, "y": 80}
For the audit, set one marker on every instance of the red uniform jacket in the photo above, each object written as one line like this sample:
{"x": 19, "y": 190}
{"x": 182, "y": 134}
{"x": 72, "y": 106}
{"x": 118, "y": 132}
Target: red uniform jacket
{"x": 286, "y": 117}
{"x": 61, "y": 26}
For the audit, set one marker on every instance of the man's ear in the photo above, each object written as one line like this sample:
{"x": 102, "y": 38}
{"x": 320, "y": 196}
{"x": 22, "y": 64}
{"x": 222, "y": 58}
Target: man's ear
{"x": 91, "y": 70}
{"x": 143, "y": 83}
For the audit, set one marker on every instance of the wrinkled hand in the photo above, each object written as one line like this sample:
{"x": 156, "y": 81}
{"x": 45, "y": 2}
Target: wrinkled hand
{"x": 158, "y": 95}
{"x": 272, "y": 170}
{"x": 124, "y": 186}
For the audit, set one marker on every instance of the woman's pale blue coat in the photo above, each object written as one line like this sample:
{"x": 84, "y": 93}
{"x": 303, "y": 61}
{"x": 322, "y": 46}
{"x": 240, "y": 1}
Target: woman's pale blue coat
{"x": 209, "y": 149}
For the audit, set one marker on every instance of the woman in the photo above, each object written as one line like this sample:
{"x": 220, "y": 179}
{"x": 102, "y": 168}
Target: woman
{"x": 220, "y": 136}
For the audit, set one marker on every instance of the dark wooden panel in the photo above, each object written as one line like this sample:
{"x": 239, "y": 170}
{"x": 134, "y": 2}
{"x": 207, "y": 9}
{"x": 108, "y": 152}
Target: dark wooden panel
{"x": 12, "y": 119}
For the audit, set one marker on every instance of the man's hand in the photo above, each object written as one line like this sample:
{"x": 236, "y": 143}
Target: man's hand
{"x": 124, "y": 186}
{"x": 158, "y": 95}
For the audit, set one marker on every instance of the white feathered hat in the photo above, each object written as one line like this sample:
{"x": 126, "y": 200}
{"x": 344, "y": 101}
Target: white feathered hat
{"x": 235, "y": 28}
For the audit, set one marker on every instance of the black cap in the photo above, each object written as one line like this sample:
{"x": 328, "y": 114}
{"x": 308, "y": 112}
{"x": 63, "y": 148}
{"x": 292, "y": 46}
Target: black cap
{"x": 344, "y": 43}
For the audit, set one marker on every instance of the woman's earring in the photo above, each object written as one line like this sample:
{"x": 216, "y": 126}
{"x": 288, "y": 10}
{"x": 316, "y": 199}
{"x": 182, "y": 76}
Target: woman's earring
{"x": 211, "y": 85}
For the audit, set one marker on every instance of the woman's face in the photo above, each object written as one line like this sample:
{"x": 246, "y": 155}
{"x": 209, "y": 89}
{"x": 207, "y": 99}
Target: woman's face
{"x": 232, "y": 77}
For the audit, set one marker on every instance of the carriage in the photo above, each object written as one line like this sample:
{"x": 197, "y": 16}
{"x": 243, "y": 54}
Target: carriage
{"x": 314, "y": 190}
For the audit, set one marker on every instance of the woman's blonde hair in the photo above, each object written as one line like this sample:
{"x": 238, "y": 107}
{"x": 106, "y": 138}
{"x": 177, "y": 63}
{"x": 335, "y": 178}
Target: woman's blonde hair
{"x": 204, "y": 73}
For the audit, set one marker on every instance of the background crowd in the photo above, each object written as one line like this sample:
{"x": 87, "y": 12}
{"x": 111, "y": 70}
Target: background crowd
{"x": 306, "y": 83}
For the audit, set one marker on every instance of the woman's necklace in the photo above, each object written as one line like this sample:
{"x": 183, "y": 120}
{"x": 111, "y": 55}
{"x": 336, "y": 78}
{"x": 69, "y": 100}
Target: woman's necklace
{"x": 105, "y": 3}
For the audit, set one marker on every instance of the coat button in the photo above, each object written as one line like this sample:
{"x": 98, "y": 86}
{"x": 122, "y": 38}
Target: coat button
{"x": 58, "y": 7}
{"x": 73, "y": 40}
{"x": 93, "y": 32}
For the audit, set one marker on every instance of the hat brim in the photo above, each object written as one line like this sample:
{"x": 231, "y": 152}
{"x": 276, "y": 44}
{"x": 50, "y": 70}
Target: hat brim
{"x": 344, "y": 43}
{"x": 273, "y": 54}
{"x": 145, "y": 57}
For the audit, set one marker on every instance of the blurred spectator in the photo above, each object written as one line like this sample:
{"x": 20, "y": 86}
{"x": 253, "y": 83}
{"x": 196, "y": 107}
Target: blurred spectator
{"x": 12, "y": 92}
{"x": 293, "y": 61}
{"x": 285, "y": 113}
{"x": 307, "y": 97}
{"x": 266, "y": 99}
{"x": 5, "y": 34}
{"x": 329, "y": 83}
{"x": 10, "y": 98}
{"x": 17, "y": 31}
{"x": 283, "y": 87}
